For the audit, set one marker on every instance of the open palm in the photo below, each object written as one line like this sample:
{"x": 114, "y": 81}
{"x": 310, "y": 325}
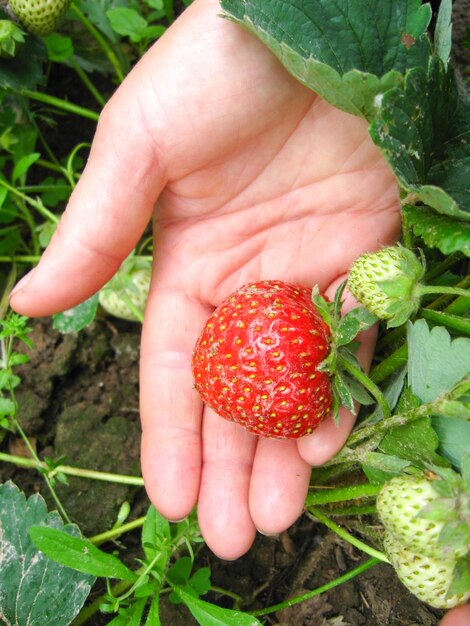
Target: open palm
{"x": 249, "y": 176}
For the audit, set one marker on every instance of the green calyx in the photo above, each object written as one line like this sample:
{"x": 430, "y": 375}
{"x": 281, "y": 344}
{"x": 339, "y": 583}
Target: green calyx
{"x": 350, "y": 384}
{"x": 387, "y": 283}
{"x": 11, "y": 37}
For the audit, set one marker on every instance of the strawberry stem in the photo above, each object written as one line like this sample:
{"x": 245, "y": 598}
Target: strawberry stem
{"x": 72, "y": 471}
{"x": 109, "y": 52}
{"x": 362, "y": 378}
{"x": 423, "y": 290}
{"x": 59, "y": 103}
{"x": 347, "y": 536}
{"x": 319, "y": 590}
{"x": 342, "y": 494}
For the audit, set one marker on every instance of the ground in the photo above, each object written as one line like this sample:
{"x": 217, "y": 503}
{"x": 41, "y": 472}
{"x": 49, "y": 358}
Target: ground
{"x": 79, "y": 398}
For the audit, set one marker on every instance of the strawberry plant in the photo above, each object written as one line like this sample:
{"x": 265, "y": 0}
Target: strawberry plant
{"x": 278, "y": 358}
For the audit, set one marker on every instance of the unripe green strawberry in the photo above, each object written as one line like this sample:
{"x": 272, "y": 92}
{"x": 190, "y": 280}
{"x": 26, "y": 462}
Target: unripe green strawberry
{"x": 399, "y": 504}
{"x": 427, "y": 578}
{"x": 39, "y": 17}
{"x": 126, "y": 294}
{"x": 386, "y": 283}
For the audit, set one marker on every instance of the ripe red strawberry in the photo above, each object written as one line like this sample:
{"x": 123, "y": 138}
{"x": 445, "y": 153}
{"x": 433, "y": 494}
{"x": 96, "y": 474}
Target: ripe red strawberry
{"x": 256, "y": 360}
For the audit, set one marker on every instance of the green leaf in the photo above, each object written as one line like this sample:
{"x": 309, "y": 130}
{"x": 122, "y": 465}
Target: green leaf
{"x": 416, "y": 441}
{"x": 454, "y": 435}
{"x": 435, "y": 362}
{"x": 34, "y": 589}
{"x": 127, "y": 22}
{"x": 79, "y": 317}
{"x": 23, "y": 165}
{"x": 25, "y": 70}
{"x": 155, "y": 531}
{"x": 153, "y": 617}
{"x": 323, "y": 306}
{"x": 208, "y": 614}
{"x": 438, "y": 231}
{"x": 357, "y": 390}
{"x": 390, "y": 464}
{"x": 45, "y": 232}
{"x": 443, "y": 31}
{"x": 352, "y": 323}
{"x": 131, "y": 616}
{"x": 423, "y": 131}
{"x": 79, "y": 554}
{"x": 347, "y": 51}
{"x": 59, "y": 47}
{"x": 179, "y": 575}
{"x": 344, "y": 395}
{"x": 7, "y": 407}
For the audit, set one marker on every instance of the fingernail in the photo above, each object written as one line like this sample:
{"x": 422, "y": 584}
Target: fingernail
{"x": 21, "y": 284}
{"x": 265, "y": 534}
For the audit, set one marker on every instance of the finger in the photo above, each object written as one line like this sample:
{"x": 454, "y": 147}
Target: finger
{"x": 107, "y": 212}
{"x": 279, "y": 485}
{"x": 330, "y": 436}
{"x": 457, "y": 617}
{"x": 171, "y": 410}
{"x": 224, "y": 517}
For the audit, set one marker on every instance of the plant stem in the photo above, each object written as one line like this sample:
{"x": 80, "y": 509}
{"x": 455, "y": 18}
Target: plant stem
{"x": 319, "y": 590}
{"x": 93, "y": 608}
{"x": 50, "y": 166}
{"x": 61, "y": 104}
{"x": 35, "y": 457}
{"x": 20, "y": 259}
{"x": 73, "y": 471}
{"x": 117, "y": 532}
{"x": 389, "y": 365}
{"x": 371, "y": 387}
{"x": 109, "y": 52}
{"x": 341, "y": 494}
{"x": 87, "y": 82}
{"x": 456, "y": 322}
{"x": 235, "y": 597}
{"x": 347, "y": 536}
{"x": 353, "y": 510}
{"x": 451, "y": 291}
{"x": 40, "y": 208}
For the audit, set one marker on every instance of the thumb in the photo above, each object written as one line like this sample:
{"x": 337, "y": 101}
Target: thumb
{"x": 107, "y": 212}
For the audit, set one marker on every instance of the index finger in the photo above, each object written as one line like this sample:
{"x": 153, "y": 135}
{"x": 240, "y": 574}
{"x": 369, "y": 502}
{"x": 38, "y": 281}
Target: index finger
{"x": 107, "y": 212}
{"x": 171, "y": 410}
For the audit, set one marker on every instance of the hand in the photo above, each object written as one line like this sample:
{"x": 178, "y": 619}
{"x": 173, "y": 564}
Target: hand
{"x": 249, "y": 176}
{"x": 457, "y": 617}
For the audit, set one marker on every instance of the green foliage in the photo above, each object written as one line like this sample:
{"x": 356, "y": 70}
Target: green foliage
{"x": 439, "y": 231}
{"x": 81, "y": 316}
{"x": 424, "y": 132}
{"x": 435, "y": 362}
{"x": 348, "y": 52}
{"x": 35, "y": 590}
